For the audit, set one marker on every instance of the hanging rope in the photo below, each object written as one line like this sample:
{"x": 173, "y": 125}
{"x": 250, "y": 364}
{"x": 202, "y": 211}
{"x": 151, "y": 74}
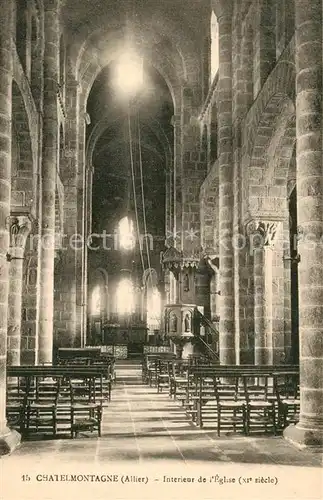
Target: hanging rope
{"x": 143, "y": 202}
{"x": 134, "y": 190}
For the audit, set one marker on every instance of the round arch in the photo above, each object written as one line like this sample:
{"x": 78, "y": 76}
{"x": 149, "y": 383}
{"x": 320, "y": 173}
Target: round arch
{"x": 23, "y": 185}
{"x": 265, "y": 181}
{"x": 107, "y": 49}
{"x": 279, "y": 86}
{"x": 107, "y": 123}
{"x": 98, "y": 304}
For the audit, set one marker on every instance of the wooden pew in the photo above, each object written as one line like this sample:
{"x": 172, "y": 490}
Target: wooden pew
{"x": 179, "y": 374}
{"x": 37, "y": 380}
{"x": 150, "y": 366}
{"x": 201, "y": 401}
{"x": 86, "y": 356}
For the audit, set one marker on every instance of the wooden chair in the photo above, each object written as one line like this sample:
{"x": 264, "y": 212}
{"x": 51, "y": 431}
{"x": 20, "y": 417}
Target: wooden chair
{"x": 231, "y": 404}
{"x": 204, "y": 399}
{"x": 162, "y": 375}
{"x": 85, "y": 412}
{"x": 16, "y": 404}
{"x": 260, "y": 408}
{"x": 288, "y": 399}
{"x": 42, "y": 406}
{"x": 178, "y": 373}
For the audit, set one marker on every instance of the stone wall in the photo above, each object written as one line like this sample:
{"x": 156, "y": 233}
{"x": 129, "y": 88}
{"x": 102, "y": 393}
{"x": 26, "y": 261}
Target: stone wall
{"x": 240, "y": 147}
{"x": 263, "y": 139}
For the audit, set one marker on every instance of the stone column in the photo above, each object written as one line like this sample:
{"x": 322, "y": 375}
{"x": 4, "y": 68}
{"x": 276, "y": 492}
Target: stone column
{"x": 168, "y": 194}
{"x": 19, "y": 229}
{"x": 309, "y": 430}
{"x": 8, "y": 439}
{"x": 226, "y": 202}
{"x": 262, "y": 239}
{"x": 65, "y": 317}
{"x": 176, "y": 193}
{"x": 214, "y": 290}
{"x": 194, "y": 170}
{"x": 81, "y": 300}
{"x": 49, "y": 168}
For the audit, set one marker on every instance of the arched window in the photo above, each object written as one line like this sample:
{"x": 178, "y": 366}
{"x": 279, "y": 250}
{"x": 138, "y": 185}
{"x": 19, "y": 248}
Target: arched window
{"x": 96, "y": 302}
{"x": 214, "y": 46}
{"x": 285, "y": 24}
{"x": 153, "y": 299}
{"x": 21, "y": 32}
{"x": 153, "y": 308}
{"x": 125, "y": 297}
{"x": 126, "y": 234}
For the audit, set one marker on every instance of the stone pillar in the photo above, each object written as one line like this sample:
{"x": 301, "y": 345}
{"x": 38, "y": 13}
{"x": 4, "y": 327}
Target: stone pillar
{"x": 65, "y": 319}
{"x": 263, "y": 282}
{"x": 168, "y": 203}
{"x": 309, "y": 430}
{"x": 81, "y": 299}
{"x": 49, "y": 169}
{"x": 262, "y": 244}
{"x": 19, "y": 230}
{"x": 224, "y": 106}
{"x": 8, "y": 439}
{"x": 214, "y": 290}
{"x": 176, "y": 192}
{"x": 194, "y": 170}
{"x": 30, "y": 299}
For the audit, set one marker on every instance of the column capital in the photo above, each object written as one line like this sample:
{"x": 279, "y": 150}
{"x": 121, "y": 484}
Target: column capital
{"x": 19, "y": 228}
{"x": 264, "y": 230}
{"x": 212, "y": 262}
{"x": 222, "y": 8}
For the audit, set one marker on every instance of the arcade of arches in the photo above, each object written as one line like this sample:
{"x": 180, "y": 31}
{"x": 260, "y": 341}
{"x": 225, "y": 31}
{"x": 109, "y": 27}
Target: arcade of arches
{"x": 190, "y": 177}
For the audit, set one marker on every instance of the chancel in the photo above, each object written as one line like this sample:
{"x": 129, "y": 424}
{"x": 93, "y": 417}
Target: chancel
{"x": 161, "y": 218}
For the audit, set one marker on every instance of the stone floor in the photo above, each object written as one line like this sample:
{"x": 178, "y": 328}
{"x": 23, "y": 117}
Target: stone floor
{"x": 144, "y": 431}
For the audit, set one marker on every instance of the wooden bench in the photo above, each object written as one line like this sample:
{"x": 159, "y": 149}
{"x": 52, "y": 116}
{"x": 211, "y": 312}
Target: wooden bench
{"x": 179, "y": 374}
{"x": 150, "y": 366}
{"x": 49, "y": 397}
{"x": 87, "y": 356}
{"x": 202, "y": 384}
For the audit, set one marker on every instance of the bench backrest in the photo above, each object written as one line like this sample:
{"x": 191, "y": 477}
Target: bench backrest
{"x": 56, "y": 371}
{"x": 243, "y": 370}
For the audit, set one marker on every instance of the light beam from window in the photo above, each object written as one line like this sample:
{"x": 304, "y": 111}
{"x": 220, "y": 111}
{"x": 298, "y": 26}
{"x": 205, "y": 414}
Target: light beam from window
{"x": 126, "y": 234}
{"x": 125, "y": 297}
{"x": 96, "y": 302}
{"x": 153, "y": 309}
{"x": 214, "y": 46}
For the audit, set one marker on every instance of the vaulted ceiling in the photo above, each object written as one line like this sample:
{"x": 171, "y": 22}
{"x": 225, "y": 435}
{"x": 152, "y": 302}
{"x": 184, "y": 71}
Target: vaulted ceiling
{"x": 169, "y": 36}
{"x": 119, "y": 138}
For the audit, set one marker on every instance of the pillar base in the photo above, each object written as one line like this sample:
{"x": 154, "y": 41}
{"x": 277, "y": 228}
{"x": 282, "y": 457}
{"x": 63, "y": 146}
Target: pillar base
{"x": 9, "y": 441}
{"x": 188, "y": 350}
{"x": 304, "y": 438}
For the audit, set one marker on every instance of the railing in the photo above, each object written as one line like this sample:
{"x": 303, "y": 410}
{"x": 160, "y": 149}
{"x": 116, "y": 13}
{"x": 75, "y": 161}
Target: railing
{"x": 214, "y": 355}
{"x": 206, "y": 322}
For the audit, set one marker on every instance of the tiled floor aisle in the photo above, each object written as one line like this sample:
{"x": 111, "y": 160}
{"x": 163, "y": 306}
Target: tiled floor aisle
{"x": 143, "y": 428}
{"x": 140, "y": 425}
